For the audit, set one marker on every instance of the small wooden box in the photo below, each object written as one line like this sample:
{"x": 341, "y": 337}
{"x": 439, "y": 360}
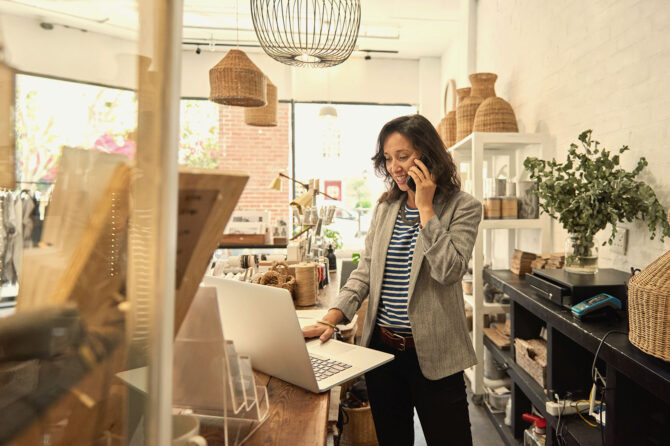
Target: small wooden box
{"x": 531, "y": 355}
{"x": 280, "y": 240}
{"x": 246, "y": 239}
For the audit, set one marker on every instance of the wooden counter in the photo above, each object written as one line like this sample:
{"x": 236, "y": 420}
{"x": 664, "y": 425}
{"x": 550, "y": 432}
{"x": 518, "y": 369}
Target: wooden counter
{"x": 297, "y": 417}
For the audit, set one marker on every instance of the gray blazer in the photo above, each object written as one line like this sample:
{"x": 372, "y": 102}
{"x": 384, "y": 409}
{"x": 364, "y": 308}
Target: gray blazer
{"x": 435, "y": 308}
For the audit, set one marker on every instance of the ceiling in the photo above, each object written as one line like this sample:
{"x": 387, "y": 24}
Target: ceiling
{"x": 389, "y": 28}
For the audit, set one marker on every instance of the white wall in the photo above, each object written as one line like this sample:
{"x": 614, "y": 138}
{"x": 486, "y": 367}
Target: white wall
{"x": 68, "y": 53}
{"x": 96, "y": 58}
{"x": 570, "y": 66}
{"x": 355, "y": 80}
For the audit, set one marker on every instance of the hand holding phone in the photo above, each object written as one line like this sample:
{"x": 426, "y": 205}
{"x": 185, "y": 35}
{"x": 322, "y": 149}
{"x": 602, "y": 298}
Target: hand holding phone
{"x": 410, "y": 181}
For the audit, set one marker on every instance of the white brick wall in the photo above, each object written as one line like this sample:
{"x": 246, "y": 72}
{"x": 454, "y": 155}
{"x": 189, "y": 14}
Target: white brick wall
{"x": 566, "y": 66}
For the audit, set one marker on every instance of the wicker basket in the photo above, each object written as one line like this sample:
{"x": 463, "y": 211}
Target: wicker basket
{"x": 444, "y": 128}
{"x": 482, "y": 88}
{"x": 649, "y": 308}
{"x": 235, "y": 80}
{"x": 483, "y": 84}
{"x": 495, "y": 115}
{"x": 278, "y": 277}
{"x": 360, "y": 428}
{"x": 264, "y": 116}
{"x": 451, "y": 126}
{"x": 465, "y": 116}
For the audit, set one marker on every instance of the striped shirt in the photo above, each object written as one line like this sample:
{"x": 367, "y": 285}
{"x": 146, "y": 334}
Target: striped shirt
{"x": 392, "y": 312}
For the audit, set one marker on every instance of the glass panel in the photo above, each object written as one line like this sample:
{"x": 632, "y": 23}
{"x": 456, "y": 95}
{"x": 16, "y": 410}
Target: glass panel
{"x": 85, "y": 87}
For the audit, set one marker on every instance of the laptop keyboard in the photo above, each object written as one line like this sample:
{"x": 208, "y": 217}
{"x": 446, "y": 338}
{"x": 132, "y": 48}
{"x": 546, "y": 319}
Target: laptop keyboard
{"x": 325, "y": 368}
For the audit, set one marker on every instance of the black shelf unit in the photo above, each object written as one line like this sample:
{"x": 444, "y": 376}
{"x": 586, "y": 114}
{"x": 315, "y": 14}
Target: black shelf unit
{"x": 498, "y": 421}
{"x": 638, "y": 399}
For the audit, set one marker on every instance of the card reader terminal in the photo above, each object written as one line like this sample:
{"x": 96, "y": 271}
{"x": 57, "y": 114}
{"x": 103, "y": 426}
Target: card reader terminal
{"x": 602, "y": 301}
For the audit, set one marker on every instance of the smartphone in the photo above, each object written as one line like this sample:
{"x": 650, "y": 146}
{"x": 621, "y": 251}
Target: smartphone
{"x": 410, "y": 181}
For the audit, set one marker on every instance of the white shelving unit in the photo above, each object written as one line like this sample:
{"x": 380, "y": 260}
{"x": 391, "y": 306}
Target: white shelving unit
{"x": 480, "y": 149}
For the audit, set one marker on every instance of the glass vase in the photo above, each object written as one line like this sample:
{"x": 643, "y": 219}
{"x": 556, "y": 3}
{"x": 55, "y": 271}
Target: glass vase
{"x": 581, "y": 256}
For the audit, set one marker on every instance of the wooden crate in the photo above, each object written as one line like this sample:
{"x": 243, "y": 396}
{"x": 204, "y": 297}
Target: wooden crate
{"x": 531, "y": 355}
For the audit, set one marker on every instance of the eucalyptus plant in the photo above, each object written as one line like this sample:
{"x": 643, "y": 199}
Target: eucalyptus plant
{"x": 590, "y": 190}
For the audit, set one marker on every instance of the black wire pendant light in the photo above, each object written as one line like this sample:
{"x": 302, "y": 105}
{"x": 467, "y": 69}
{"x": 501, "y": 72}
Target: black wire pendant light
{"x": 316, "y": 33}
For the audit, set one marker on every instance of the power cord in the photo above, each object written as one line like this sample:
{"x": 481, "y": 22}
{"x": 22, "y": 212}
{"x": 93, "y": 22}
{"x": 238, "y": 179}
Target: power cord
{"x": 576, "y": 405}
{"x": 595, "y": 375}
{"x": 559, "y": 434}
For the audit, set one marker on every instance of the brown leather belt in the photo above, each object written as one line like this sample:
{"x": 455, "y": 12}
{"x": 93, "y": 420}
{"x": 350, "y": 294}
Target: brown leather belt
{"x": 396, "y": 341}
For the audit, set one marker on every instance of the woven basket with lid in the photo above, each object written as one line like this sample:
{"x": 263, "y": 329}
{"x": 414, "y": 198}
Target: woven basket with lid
{"x": 649, "y": 308}
{"x": 236, "y": 80}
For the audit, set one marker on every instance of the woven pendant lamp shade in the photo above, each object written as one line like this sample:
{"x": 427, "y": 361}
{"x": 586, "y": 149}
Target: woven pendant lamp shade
{"x": 264, "y": 116}
{"x": 236, "y": 80}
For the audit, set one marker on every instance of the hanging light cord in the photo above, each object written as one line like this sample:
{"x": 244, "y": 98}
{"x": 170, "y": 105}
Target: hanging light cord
{"x": 237, "y": 22}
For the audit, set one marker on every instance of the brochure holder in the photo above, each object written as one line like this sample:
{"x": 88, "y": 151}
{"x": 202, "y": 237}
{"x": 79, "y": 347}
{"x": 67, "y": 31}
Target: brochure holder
{"x": 210, "y": 379}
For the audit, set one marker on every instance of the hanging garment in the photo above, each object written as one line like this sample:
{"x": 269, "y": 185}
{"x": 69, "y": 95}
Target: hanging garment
{"x": 3, "y": 236}
{"x": 30, "y": 212}
{"x": 13, "y": 226}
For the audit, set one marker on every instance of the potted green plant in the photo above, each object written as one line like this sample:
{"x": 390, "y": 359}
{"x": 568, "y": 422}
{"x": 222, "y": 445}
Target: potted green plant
{"x": 590, "y": 190}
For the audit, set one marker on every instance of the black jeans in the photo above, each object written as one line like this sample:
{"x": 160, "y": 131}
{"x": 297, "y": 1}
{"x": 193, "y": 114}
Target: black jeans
{"x": 397, "y": 387}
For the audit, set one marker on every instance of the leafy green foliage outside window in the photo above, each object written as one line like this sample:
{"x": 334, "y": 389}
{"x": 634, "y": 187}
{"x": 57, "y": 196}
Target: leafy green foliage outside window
{"x": 590, "y": 190}
{"x": 334, "y": 237}
{"x": 199, "y": 140}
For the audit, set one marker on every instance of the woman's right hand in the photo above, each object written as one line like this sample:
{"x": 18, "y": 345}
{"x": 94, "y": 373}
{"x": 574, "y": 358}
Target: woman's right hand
{"x": 323, "y": 331}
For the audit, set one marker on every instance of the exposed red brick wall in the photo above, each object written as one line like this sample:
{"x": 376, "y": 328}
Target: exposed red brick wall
{"x": 261, "y": 152}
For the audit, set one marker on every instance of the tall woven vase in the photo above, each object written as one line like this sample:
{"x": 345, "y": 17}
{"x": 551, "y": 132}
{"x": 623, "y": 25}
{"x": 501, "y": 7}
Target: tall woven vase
{"x": 482, "y": 88}
{"x": 495, "y": 115}
{"x": 451, "y": 129}
{"x": 649, "y": 308}
{"x": 443, "y": 128}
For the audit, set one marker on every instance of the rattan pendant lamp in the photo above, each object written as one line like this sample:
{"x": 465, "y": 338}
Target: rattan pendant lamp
{"x": 264, "y": 116}
{"x": 315, "y": 33}
{"x": 236, "y": 80}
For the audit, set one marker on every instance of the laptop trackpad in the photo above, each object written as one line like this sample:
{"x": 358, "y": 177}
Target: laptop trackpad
{"x": 329, "y": 348}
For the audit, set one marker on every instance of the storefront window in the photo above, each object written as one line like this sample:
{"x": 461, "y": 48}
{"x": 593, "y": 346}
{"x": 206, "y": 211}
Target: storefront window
{"x": 334, "y": 143}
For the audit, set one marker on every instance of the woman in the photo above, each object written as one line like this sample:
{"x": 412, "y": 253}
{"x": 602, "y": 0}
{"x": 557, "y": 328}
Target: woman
{"x": 416, "y": 253}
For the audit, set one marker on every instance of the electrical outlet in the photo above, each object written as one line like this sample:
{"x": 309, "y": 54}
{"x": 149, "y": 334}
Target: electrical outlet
{"x": 566, "y": 407}
{"x": 620, "y": 243}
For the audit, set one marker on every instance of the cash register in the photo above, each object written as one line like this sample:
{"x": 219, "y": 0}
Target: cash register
{"x": 568, "y": 289}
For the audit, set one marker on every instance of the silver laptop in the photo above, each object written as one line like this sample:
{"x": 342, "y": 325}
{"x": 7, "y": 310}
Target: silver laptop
{"x": 263, "y": 324}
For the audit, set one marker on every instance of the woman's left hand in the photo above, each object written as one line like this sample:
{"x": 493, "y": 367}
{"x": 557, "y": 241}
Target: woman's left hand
{"x": 425, "y": 185}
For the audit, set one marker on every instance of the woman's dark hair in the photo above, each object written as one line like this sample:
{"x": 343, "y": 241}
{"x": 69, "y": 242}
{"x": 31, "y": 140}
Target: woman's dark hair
{"x": 427, "y": 142}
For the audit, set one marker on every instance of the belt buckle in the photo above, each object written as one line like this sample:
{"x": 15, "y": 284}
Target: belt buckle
{"x": 402, "y": 339}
